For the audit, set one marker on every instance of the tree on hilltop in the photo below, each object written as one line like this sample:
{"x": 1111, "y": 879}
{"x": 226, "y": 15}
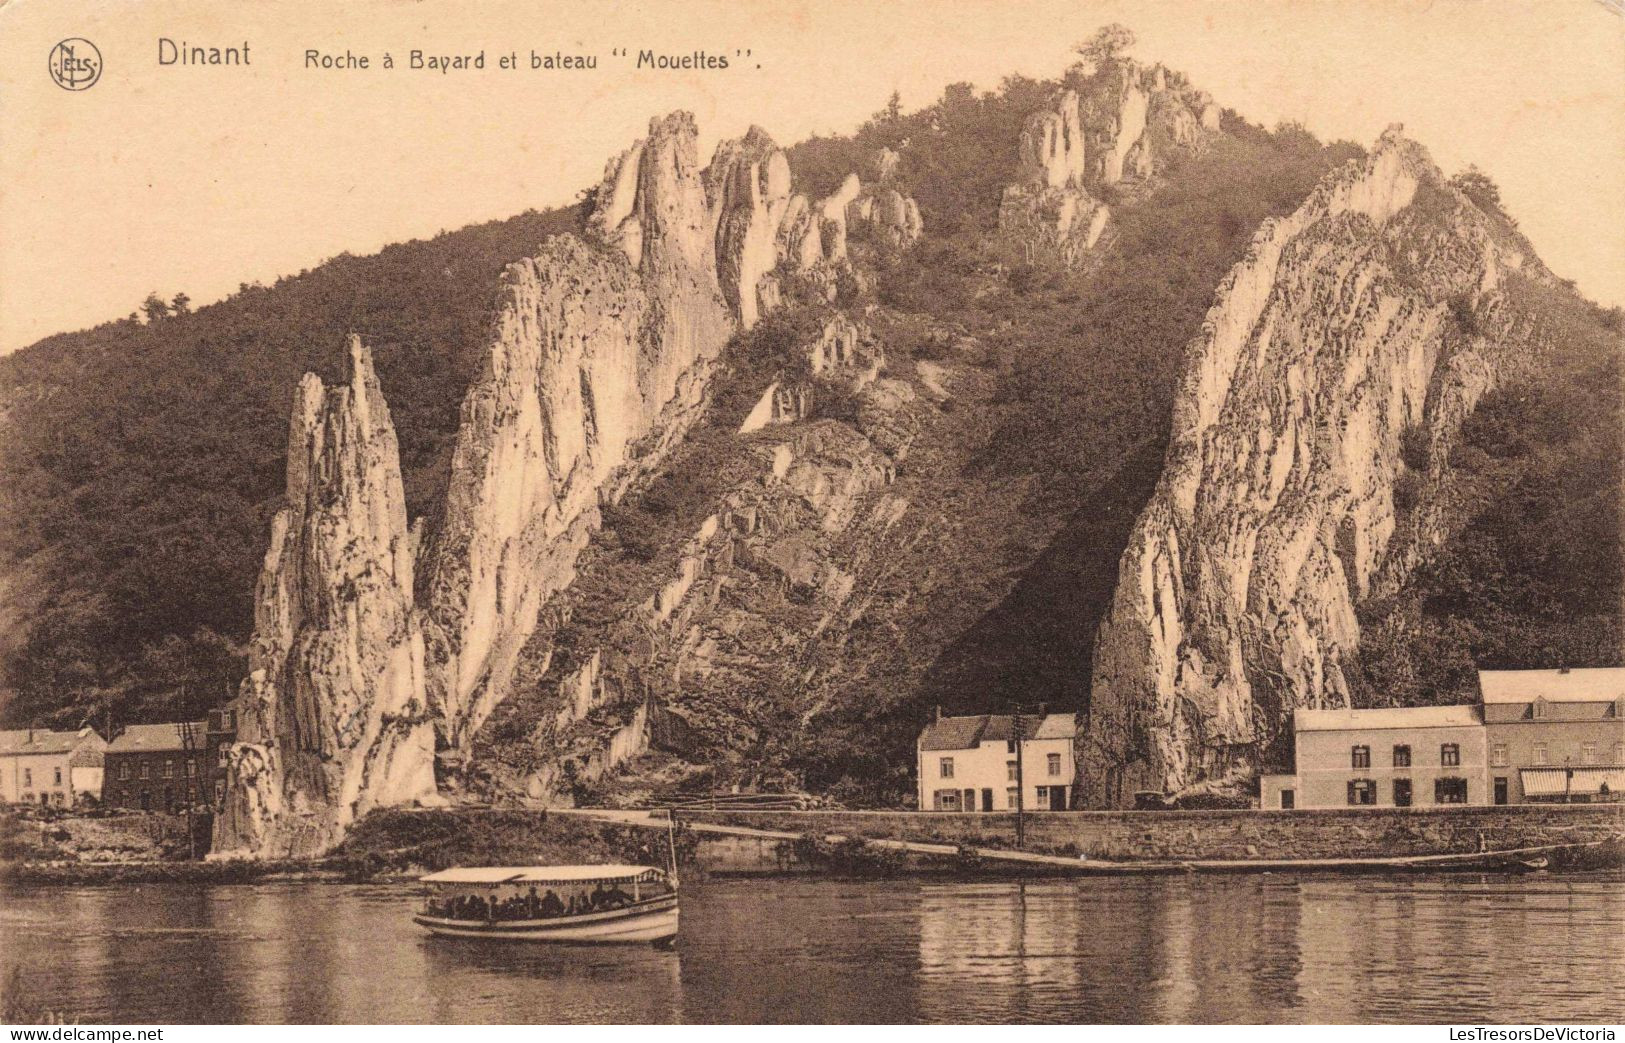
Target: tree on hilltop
{"x": 1107, "y": 46}
{"x": 1477, "y": 186}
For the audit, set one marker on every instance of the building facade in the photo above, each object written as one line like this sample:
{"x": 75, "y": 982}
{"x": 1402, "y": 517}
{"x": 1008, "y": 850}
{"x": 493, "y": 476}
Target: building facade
{"x": 972, "y": 763}
{"x": 1417, "y": 756}
{"x": 50, "y": 767}
{"x": 158, "y": 767}
{"x": 1555, "y": 735}
{"x": 1535, "y": 735}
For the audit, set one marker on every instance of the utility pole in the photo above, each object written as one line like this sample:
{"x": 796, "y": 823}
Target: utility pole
{"x": 1017, "y": 730}
{"x": 187, "y": 731}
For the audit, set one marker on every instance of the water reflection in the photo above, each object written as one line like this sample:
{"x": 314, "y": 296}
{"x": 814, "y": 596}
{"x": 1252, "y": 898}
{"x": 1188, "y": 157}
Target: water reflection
{"x": 1244, "y": 948}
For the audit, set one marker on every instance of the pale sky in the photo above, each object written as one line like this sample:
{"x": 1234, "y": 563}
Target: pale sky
{"x": 195, "y": 179}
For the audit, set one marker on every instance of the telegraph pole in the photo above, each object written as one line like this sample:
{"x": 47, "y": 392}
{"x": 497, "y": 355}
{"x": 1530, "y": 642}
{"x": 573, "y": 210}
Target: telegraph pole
{"x": 1017, "y": 729}
{"x": 188, "y": 735}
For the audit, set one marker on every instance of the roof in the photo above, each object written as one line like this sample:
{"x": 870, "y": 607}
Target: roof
{"x": 1551, "y": 713}
{"x": 1583, "y": 685}
{"x": 1462, "y": 716}
{"x": 22, "y": 741}
{"x": 154, "y": 738}
{"x": 539, "y": 874}
{"x": 966, "y": 733}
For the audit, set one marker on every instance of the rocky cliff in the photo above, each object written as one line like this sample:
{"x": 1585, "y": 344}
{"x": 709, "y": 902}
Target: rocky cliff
{"x": 741, "y": 624}
{"x": 1371, "y": 318}
{"x": 1123, "y": 119}
{"x": 333, "y": 719}
{"x": 597, "y": 363}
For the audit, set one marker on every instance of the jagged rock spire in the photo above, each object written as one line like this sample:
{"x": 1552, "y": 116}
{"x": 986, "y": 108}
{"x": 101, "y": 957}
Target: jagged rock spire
{"x": 333, "y": 718}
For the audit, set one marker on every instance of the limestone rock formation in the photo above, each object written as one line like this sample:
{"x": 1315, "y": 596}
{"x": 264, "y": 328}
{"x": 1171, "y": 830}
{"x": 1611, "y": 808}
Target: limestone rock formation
{"x": 1275, "y": 512}
{"x": 333, "y": 715}
{"x": 760, "y": 224}
{"x": 1073, "y": 150}
{"x": 845, "y": 353}
{"x": 1049, "y": 213}
{"x": 596, "y": 365}
{"x": 787, "y": 537}
{"x": 748, "y": 190}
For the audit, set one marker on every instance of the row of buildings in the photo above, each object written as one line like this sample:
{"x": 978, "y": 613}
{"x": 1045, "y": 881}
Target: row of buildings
{"x": 1533, "y": 736}
{"x": 145, "y": 767}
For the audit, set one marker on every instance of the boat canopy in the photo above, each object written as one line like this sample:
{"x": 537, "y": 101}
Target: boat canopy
{"x": 544, "y": 875}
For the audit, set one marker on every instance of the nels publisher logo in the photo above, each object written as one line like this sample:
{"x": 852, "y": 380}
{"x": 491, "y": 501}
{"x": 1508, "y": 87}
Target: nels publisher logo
{"x": 75, "y": 64}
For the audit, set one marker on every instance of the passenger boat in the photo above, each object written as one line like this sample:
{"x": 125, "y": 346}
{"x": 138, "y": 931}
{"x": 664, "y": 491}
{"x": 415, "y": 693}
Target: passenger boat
{"x": 585, "y": 904}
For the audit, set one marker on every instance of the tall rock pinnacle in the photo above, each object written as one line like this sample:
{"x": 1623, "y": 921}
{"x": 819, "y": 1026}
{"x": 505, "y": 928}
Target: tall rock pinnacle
{"x": 333, "y": 718}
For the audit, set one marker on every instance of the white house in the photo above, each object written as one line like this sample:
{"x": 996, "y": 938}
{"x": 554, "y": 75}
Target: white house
{"x": 971, "y": 763}
{"x": 48, "y": 767}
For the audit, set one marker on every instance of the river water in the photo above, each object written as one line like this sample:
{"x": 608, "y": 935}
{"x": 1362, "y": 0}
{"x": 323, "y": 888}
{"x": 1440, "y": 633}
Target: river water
{"x": 1266, "y": 948}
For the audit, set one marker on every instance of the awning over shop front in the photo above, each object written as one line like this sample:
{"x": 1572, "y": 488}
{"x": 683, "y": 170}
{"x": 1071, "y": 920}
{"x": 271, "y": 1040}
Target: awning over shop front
{"x": 1555, "y": 782}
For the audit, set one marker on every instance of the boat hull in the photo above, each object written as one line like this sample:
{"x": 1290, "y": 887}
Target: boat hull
{"x": 653, "y": 921}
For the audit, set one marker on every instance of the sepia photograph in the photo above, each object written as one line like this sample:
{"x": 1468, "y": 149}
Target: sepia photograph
{"x": 812, "y": 512}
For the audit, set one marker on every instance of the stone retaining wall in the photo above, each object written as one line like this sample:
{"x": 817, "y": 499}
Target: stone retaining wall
{"x": 1351, "y": 833}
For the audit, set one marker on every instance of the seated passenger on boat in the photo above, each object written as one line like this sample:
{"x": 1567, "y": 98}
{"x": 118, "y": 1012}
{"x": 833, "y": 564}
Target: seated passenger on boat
{"x": 532, "y": 904}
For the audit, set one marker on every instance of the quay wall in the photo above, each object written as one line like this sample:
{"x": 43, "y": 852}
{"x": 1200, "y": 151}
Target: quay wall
{"x": 1333, "y": 833}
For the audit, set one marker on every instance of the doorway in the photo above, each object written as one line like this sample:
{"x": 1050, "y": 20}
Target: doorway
{"x": 987, "y": 800}
{"x": 970, "y": 800}
{"x": 1402, "y": 793}
{"x": 1289, "y": 800}
{"x": 1500, "y": 789}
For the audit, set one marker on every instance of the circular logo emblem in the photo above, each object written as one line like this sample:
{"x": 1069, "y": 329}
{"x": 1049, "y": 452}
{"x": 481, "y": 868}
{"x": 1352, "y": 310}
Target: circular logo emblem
{"x": 75, "y": 64}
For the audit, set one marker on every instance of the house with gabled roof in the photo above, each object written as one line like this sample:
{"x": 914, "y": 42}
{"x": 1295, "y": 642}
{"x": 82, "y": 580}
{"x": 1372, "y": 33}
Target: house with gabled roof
{"x": 39, "y": 766}
{"x": 972, "y": 763}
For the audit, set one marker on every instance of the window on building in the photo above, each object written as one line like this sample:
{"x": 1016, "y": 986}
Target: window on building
{"x": 1449, "y": 791}
{"x": 169, "y": 769}
{"x": 1402, "y": 756}
{"x": 191, "y": 768}
{"x": 1588, "y": 754}
{"x": 1450, "y": 754}
{"x": 1055, "y": 764}
{"x": 1539, "y": 754}
{"x": 945, "y": 767}
{"x": 146, "y": 770}
{"x": 1362, "y": 791}
{"x": 1043, "y": 796}
{"x": 1537, "y": 709}
{"x": 28, "y": 776}
{"x": 945, "y": 800}
{"x": 1619, "y": 753}
{"x": 1362, "y": 757}
{"x": 1402, "y": 793}
{"x": 1009, "y": 746}
{"x": 1011, "y": 797}
{"x": 1010, "y": 770}
{"x": 56, "y": 773}
{"x": 225, "y": 755}
{"x": 1498, "y": 755}
{"x": 219, "y": 792}
{"x": 124, "y": 772}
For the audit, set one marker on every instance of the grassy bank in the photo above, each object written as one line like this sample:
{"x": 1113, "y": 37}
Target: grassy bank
{"x": 386, "y": 845}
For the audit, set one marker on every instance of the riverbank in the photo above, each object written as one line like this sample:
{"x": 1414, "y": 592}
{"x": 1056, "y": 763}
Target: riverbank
{"x": 1239, "y": 836}
{"x": 386, "y": 845}
{"x": 405, "y": 844}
